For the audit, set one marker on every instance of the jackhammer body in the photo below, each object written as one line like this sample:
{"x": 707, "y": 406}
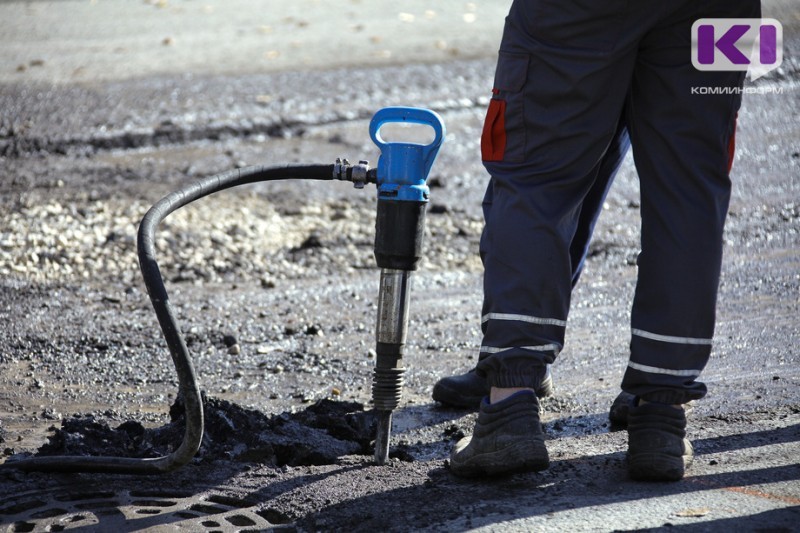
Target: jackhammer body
{"x": 399, "y": 230}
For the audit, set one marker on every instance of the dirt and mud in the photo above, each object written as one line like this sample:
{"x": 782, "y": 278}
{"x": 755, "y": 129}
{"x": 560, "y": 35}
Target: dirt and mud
{"x": 275, "y": 290}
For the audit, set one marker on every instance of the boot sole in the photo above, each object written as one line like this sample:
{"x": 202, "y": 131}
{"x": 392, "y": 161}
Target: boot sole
{"x": 506, "y": 461}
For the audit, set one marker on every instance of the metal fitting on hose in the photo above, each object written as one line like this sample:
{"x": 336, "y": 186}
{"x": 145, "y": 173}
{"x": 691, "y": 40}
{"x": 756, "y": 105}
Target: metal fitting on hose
{"x": 360, "y": 174}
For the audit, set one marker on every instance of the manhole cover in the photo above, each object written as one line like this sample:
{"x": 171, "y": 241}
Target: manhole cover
{"x": 128, "y": 510}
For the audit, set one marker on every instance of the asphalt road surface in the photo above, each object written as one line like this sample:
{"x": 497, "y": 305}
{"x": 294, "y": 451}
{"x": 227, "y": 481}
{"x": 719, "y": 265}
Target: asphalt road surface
{"x": 105, "y": 106}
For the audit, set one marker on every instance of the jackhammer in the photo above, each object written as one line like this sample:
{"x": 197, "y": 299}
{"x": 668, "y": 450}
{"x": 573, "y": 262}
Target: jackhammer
{"x": 399, "y": 229}
{"x": 402, "y": 197}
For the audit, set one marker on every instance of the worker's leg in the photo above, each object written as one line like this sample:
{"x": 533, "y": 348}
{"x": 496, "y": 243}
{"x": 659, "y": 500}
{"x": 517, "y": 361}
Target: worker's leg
{"x": 682, "y": 148}
{"x": 551, "y": 121}
{"x": 557, "y": 101}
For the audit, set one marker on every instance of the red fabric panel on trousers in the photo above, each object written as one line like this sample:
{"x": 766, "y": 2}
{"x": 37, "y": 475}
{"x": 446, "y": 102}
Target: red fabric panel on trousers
{"x": 493, "y": 138}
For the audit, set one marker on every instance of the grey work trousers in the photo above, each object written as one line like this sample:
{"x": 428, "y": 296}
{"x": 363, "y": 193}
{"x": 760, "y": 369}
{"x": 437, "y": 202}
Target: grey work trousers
{"x": 573, "y": 79}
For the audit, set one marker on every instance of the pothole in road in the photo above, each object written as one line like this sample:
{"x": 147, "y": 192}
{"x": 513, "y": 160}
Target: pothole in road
{"x": 318, "y": 435}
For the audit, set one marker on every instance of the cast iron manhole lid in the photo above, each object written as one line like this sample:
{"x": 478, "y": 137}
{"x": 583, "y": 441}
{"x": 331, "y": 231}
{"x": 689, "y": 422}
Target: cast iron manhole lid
{"x": 130, "y": 510}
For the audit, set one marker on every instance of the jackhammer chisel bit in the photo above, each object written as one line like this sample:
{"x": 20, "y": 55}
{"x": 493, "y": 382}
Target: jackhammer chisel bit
{"x": 399, "y": 228}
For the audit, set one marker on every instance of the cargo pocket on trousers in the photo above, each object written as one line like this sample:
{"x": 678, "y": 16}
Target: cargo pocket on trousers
{"x": 503, "y": 136}
{"x": 493, "y": 138}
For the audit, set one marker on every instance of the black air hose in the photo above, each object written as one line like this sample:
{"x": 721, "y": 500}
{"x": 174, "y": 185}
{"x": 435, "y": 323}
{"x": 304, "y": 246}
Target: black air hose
{"x": 187, "y": 380}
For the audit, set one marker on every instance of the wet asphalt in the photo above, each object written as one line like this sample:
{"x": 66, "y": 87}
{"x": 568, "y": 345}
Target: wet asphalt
{"x": 108, "y": 105}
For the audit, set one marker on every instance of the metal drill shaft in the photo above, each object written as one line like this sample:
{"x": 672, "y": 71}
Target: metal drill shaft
{"x": 382, "y": 436}
{"x": 390, "y": 336}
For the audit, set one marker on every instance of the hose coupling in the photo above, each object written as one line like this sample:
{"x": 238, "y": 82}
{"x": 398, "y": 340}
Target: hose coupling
{"x": 360, "y": 174}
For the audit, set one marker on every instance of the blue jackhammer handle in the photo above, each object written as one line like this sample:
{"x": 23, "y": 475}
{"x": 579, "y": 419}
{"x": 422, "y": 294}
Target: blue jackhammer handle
{"x": 412, "y": 115}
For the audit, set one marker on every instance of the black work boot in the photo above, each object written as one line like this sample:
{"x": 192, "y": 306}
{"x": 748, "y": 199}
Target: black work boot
{"x": 507, "y": 439}
{"x": 618, "y": 414}
{"x": 467, "y": 390}
{"x": 657, "y": 446}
